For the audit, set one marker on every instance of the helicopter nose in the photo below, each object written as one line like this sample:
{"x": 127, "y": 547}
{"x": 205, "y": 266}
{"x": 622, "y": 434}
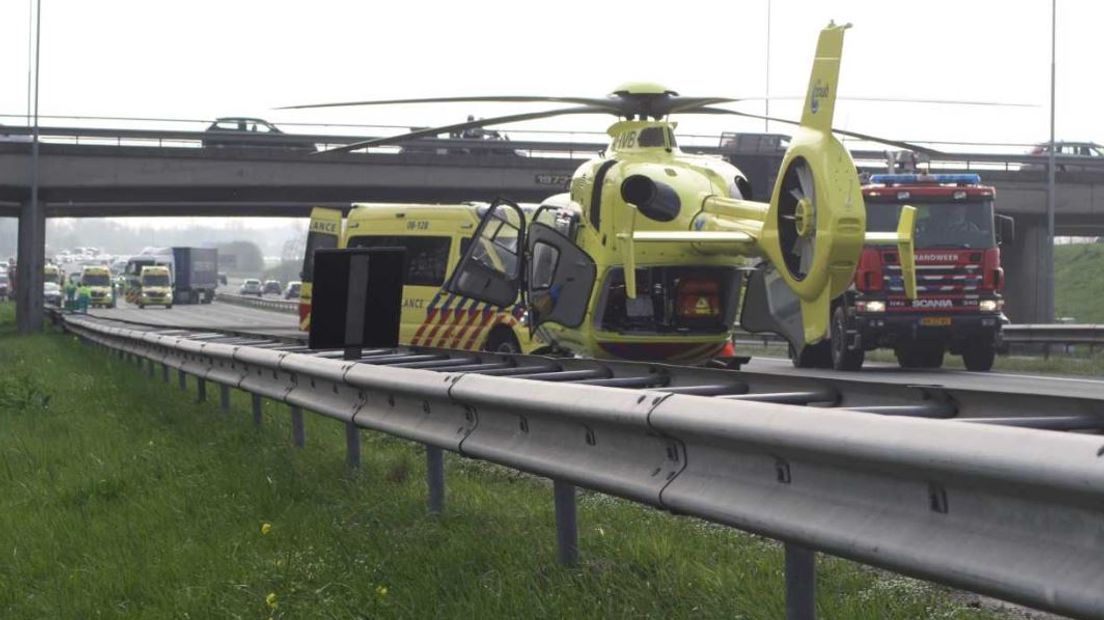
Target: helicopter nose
{"x": 655, "y": 200}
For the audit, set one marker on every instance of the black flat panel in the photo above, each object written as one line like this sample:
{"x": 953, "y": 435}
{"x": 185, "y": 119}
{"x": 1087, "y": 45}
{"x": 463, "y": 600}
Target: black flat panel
{"x": 382, "y": 305}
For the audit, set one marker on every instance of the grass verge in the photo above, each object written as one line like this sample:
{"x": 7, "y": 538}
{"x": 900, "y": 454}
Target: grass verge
{"x": 121, "y": 496}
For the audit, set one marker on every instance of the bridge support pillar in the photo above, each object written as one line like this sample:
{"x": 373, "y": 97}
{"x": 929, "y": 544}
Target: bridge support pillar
{"x": 1026, "y": 290}
{"x": 31, "y": 261}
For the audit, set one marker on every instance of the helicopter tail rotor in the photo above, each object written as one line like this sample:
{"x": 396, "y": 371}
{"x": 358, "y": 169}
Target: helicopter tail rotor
{"x": 814, "y": 229}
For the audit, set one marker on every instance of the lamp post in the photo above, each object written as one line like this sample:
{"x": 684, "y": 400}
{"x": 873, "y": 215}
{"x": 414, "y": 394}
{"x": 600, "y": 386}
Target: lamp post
{"x": 1048, "y": 265}
{"x": 32, "y": 224}
{"x": 766, "y": 100}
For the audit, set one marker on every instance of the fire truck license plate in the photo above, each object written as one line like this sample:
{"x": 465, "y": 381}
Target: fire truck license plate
{"x": 933, "y": 321}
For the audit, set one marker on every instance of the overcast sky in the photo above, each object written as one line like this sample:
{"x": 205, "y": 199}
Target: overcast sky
{"x": 201, "y": 58}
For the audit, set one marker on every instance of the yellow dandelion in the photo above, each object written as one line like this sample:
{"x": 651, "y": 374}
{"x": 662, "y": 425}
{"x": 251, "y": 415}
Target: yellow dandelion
{"x": 270, "y": 600}
{"x": 266, "y": 528}
{"x": 381, "y": 591}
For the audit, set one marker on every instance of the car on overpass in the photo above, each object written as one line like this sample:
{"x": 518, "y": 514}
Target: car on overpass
{"x": 1070, "y": 156}
{"x": 8, "y": 137}
{"x": 243, "y": 132}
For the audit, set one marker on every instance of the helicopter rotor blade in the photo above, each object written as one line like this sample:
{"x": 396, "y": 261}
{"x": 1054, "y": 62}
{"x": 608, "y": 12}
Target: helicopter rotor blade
{"x": 483, "y": 122}
{"x": 844, "y": 132}
{"x": 588, "y": 101}
{"x": 1000, "y": 104}
{"x": 680, "y": 104}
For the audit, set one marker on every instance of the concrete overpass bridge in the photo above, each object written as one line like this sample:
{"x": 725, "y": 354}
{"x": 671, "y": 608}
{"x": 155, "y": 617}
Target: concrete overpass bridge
{"x": 113, "y": 172}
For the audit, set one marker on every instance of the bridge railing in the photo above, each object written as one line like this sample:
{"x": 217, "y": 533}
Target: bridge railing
{"x": 273, "y": 143}
{"x": 1007, "y": 512}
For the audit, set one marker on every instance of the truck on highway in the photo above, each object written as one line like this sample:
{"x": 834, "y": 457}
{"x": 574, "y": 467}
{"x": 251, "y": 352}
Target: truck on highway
{"x": 958, "y": 307}
{"x": 193, "y": 273}
{"x": 98, "y": 279}
{"x": 155, "y": 287}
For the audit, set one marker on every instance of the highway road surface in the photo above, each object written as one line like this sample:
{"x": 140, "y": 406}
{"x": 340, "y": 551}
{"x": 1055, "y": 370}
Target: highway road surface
{"x": 228, "y": 317}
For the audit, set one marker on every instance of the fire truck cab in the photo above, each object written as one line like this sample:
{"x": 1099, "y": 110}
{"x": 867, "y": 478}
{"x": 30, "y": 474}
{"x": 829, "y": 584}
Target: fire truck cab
{"x": 958, "y": 274}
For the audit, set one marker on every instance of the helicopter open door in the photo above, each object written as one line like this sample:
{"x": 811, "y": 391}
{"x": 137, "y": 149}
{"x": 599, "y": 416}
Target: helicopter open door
{"x": 491, "y": 268}
{"x": 560, "y": 278}
{"x": 557, "y": 274}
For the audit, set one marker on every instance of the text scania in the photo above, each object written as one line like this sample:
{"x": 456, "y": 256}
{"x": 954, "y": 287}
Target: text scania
{"x": 932, "y": 303}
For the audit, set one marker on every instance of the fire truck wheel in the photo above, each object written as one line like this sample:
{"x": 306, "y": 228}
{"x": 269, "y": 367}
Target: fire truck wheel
{"x": 979, "y": 356}
{"x": 502, "y": 340}
{"x": 843, "y": 358}
{"x": 817, "y": 355}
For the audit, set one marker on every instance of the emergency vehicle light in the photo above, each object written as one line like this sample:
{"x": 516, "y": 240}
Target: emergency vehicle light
{"x": 909, "y": 179}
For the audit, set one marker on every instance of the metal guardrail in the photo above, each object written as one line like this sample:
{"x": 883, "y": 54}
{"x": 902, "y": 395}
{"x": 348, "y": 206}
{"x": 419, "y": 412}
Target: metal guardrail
{"x": 1054, "y": 333}
{"x": 279, "y": 305}
{"x": 1008, "y": 512}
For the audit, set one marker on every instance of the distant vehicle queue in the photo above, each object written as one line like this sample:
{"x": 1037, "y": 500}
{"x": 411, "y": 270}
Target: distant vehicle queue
{"x": 86, "y": 277}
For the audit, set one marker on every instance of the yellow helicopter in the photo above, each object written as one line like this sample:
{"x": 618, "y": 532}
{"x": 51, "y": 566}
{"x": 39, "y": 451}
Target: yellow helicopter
{"x": 683, "y": 226}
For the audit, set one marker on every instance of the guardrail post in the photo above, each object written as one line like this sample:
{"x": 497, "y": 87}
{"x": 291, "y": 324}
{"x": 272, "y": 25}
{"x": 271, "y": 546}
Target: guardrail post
{"x": 298, "y": 435}
{"x": 183, "y": 379}
{"x": 352, "y": 444}
{"x": 800, "y": 583}
{"x": 165, "y": 372}
{"x": 224, "y": 397}
{"x": 256, "y": 409}
{"x": 435, "y": 479}
{"x": 149, "y": 368}
{"x": 201, "y": 389}
{"x": 567, "y": 531}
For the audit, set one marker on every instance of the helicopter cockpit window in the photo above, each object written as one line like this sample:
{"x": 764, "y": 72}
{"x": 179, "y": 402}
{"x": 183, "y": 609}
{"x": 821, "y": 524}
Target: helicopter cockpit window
{"x": 497, "y": 248}
{"x": 651, "y": 136}
{"x": 563, "y": 221}
{"x": 545, "y": 258}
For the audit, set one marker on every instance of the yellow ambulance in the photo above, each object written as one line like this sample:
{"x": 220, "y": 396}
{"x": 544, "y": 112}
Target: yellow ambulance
{"x": 98, "y": 279}
{"x": 154, "y": 287}
{"x": 434, "y": 237}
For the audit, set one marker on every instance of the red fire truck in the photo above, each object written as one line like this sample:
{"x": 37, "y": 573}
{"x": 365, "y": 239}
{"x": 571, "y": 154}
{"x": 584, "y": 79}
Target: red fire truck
{"x": 958, "y": 275}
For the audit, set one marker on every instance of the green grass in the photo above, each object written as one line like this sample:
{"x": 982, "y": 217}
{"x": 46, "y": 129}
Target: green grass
{"x": 1079, "y": 282}
{"x": 120, "y": 496}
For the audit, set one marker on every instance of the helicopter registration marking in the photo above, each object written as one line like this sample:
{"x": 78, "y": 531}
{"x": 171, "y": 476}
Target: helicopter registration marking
{"x": 417, "y": 225}
{"x": 626, "y": 140}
